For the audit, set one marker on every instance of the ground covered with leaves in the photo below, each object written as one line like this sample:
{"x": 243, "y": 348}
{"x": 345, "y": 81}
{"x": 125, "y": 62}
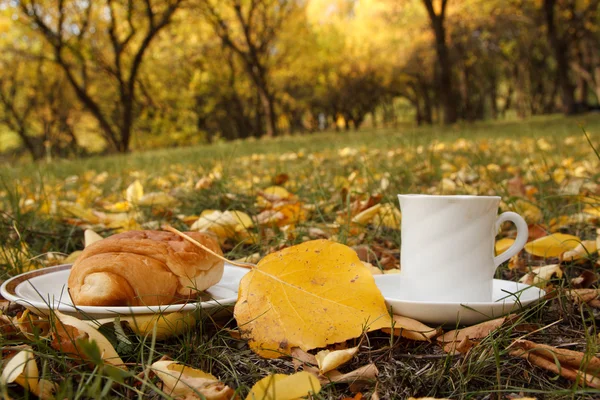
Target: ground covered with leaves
{"x": 260, "y": 197}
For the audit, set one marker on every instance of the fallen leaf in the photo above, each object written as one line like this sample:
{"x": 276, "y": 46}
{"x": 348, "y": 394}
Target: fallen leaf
{"x": 22, "y": 369}
{"x": 31, "y": 325}
{"x": 365, "y": 217}
{"x": 552, "y": 245}
{"x": 228, "y": 224}
{"x": 540, "y": 276}
{"x": 328, "y": 360}
{"x": 157, "y": 199}
{"x": 365, "y": 373}
{"x": 90, "y": 237}
{"x": 308, "y": 296}
{"x": 503, "y": 244}
{"x": 582, "y": 251}
{"x": 410, "y": 329}
{"x": 69, "y": 332}
{"x": 461, "y": 340}
{"x": 166, "y": 324}
{"x": 586, "y": 279}
{"x": 182, "y": 381}
{"x": 134, "y": 192}
{"x": 285, "y": 387}
{"x": 580, "y": 296}
{"x": 573, "y": 365}
{"x": 459, "y": 347}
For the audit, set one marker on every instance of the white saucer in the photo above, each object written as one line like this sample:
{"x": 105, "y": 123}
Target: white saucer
{"x": 44, "y": 289}
{"x": 507, "y": 297}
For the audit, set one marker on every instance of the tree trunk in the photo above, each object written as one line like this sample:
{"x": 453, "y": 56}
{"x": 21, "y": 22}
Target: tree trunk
{"x": 445, "y": 66}
{"x": 266, "y": 100}
{"x": 560, "y": 48}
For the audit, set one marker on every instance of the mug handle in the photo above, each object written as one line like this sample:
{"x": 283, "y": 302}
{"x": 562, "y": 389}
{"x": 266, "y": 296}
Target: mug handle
{"x": 520, "y": 241}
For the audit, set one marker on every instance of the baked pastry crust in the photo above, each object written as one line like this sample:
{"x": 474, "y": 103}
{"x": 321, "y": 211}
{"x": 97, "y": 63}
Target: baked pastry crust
{"x": 137, "y": 268}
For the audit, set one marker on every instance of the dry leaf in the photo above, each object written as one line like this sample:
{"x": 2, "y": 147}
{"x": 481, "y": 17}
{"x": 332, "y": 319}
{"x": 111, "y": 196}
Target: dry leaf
{"x": 329, "y": 360}
{"x": 459, "y": 347}
{"x": 366, "y": 373}
{"x": 134, "y": 192}
{"x": 166, "y": 324}
{"x": 573, "y": 365}
{"x": 69, "y": 331}
{"x": 579, "y": 296}
{"x": 461, "y": 340}
{"x": 300, "y": 357}
{"x": 410, "y": 329}
{"x": 285, "y": 387}
{"x": 581, "y": 252}
{"x": 428, "y": 398}
{"x": 540, "y": 276}
{"x": 365, "y": 217}
{"x": 31, "y": 325}
{"x": 552, "y": 245}
{"x": 157, "y": 199}
{"x": 181, "y": 381}
{"x": 586, "y": 279}
{"x": 228, "y": 224}
{"x": 91, "y": 237}
{"x": 22, "y": 369}
{"x": 308, "y": 296}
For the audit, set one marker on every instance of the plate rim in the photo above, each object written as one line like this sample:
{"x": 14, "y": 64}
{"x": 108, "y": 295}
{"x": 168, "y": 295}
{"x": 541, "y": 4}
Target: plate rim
{"x": 8, "y": 292}
{"x": 499, "y": 302}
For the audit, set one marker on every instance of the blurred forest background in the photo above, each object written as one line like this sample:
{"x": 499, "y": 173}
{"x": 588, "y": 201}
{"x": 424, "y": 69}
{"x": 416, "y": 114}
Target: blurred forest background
{"x": 88, "y": 76}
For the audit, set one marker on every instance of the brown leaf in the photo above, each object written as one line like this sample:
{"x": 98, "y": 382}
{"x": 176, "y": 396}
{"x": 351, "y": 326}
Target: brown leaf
{"x": 573, "y": 365}
{"x": 516, "y": 187}
{"x": 478, "y": 331}
{"x": 301, "y": 357}
{"x": 365, "y": 373}
{"x": 457, "y": 347}
{"x": 411, "y": 329}
{"x": 579, "y": 296}
{"x": 585, "y": 280}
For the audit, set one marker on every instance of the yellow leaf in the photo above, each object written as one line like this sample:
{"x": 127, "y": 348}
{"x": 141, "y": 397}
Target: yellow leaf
{"x": 285, "y": 387}
{"x": 121, "y": 206}
{"x": 328, "y": 360}
{"x": 503, "y": 244}
{"x": 582, "y": 251}
{"x": 167, "y": 325}
{"x": 592, "y": 210}
{"x": 388, "y": 216}
{"x": 134, "y": 192}
{"x": 180, "y": 381}
{"x": 529, "y": 211}
{"x": 157, "y": 199}
{"x": 276, "y": 193}
{"x": 364, "y": 217}
{"x": 22, "y": 369}
{"x": 552, "y": 245}
{"x": 75, "y": 210}
{"x": 308, "y": 296}
{"x": 226, "y": 224}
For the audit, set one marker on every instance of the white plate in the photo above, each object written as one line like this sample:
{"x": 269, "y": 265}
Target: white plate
{"x": 507, "y": 297}
{"x": 44, "y": 289}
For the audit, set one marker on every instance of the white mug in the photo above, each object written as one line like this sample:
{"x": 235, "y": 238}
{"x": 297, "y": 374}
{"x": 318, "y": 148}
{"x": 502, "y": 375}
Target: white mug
{"x": 447, "y": 251}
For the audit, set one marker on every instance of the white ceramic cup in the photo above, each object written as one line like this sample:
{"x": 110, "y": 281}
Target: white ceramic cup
{"x": 447, "y": 251}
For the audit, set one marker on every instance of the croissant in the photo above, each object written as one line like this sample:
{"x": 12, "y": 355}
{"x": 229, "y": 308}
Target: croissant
{"x": 147, "y": 268}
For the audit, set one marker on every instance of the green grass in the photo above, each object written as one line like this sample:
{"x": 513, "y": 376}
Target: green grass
{"x": 328, "y": 171}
